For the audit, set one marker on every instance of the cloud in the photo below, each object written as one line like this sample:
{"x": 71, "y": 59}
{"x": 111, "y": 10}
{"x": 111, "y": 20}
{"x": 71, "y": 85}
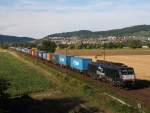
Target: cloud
{"x": 39, "y": 18}
{"x": 6, "y": 27}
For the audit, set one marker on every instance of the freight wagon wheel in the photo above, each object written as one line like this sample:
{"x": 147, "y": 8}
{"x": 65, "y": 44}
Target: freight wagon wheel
{"x": 119, "y": 85}
{"x": 113, "y": 83}
{"x": 100, "y": 79}
{"x": 104, "y": 80}
{"x": 94, "y": 77}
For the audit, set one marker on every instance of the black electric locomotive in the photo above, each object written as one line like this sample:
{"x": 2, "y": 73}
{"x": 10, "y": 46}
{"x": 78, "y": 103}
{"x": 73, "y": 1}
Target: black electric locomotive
{"x": 116, "y": 73}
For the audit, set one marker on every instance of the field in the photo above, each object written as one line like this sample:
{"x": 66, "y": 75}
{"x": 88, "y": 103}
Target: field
{"x": 137, "y": 58}
{"x": 100, "y": 52}
{"x": 140, "y": 63}
{"x": 22, "y": 78}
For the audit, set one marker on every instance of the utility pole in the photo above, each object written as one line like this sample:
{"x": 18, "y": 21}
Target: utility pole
{"x": 66, "y": 50}
{"x": 66, "y": 54}
{"x": 66, "y": 46}
{"x": 104, "y": 52}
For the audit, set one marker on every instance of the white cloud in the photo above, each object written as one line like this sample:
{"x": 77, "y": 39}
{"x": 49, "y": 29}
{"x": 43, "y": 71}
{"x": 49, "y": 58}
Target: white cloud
{"x": 38, "y": 19}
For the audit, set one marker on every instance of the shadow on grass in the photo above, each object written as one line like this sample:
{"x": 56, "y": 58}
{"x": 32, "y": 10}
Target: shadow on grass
{"x": 4, "y": 85}
{"x": 141, "y": 84}
{"x": 26, "y": 104}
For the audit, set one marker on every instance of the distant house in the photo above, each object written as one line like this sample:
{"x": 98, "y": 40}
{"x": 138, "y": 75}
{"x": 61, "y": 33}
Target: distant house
{"x": 126, "y": 47}
{"x": 145, "y": 47}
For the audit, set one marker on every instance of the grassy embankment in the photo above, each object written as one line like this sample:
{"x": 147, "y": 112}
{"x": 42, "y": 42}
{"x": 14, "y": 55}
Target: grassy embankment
{"x": 26, "y": 88}
{"x": 74, "y": 85}
{"x": 23, "y": 78}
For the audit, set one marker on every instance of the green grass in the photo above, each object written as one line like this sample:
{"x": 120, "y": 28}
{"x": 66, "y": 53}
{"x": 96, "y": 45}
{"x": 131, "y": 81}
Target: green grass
{"x": 22, "y": 78}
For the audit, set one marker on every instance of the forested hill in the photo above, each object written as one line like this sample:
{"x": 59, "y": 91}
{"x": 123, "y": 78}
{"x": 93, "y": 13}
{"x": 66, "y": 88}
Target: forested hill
{"x": 140, "y": 30}
{"x": 14, "y": 39}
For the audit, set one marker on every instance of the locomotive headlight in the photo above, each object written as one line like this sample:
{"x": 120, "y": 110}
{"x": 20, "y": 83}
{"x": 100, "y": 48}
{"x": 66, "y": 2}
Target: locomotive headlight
{"x": 124, "y": 76}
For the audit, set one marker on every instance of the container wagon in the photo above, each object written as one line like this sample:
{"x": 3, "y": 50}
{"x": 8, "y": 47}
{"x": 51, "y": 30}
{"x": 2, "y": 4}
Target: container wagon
{"x": 26, "y": 50}
{"x": 49, "y": 56}
{"x": 64, "y": 60}
{"x": 23, "y": 50}
{"x": 116, "y": 73}
{"x": 40, "y": 54}
{"x": 56, "y": 58}
{"x": 33, "y": 51}
{"x": 80, "y": 64}
{"x": 18, "y": 49}
{"x": 44, "y": 55}
{"x": 30, "y": 51}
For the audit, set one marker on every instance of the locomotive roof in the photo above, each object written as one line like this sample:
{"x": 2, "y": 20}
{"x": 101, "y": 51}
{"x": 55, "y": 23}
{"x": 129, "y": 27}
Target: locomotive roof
{"x": 109, "y": 64}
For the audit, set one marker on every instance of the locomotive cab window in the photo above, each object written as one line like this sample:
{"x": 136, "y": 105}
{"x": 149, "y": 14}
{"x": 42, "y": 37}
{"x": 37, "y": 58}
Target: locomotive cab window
{"x": 124, "y": 72}
{"x": 130, "y": 71}
{"x": 127, "y": 72}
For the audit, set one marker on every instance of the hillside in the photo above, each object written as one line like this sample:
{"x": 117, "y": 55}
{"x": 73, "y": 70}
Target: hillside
{"x": 140, "y": 30}
{"x": 14, "y": 39}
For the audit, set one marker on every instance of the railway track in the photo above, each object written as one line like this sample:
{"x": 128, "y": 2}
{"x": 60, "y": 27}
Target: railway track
{"x": 141, "y": 96}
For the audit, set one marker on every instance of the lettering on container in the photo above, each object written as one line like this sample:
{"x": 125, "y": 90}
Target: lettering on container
{"x": 76, "y": 63}
{"x": 62, "y": 59}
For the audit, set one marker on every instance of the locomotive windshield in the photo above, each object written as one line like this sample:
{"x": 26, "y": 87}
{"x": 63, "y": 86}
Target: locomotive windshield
{"x": 129, "y": 71}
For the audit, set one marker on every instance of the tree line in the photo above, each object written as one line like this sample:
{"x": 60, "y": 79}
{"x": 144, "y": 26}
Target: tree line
{"x": 49, "y": 46}
{"x": 45, "y": 45}
{"x": 111, "y": 45}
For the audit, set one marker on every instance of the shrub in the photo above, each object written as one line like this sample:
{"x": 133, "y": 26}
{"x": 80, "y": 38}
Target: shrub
{"x": 87, "y": 89}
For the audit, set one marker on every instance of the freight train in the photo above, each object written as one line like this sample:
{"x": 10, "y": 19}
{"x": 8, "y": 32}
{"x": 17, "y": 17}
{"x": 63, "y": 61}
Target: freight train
{"x": 118, "y": 74}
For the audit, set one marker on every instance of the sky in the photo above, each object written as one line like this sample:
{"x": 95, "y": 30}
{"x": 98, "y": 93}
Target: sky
{"x": 38, "y": 18}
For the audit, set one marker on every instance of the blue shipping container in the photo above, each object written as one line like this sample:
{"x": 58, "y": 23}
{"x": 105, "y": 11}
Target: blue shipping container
{"x": 64, "y": 60}
{"x": 80, "y": 63}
